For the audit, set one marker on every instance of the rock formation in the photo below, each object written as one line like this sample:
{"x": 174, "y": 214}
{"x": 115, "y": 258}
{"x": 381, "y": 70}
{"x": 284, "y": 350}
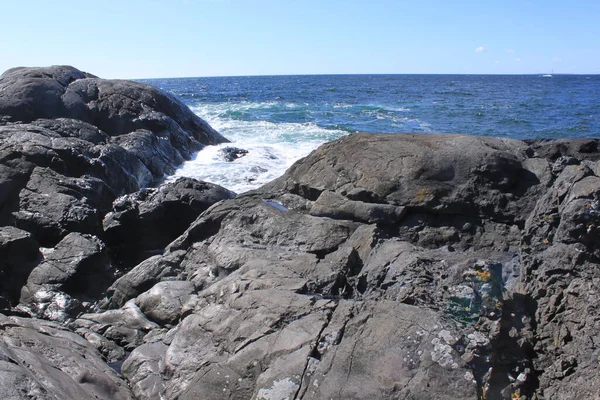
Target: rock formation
{"x": 378, "y": 267}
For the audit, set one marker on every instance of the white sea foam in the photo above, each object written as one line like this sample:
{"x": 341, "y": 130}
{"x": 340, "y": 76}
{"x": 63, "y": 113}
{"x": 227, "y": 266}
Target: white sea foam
{"x": 272, "y": 147}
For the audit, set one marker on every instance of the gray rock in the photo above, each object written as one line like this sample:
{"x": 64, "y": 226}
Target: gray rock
{"x": 332, "y": 205}
{"x": 163, "y": 303}
{"x": 43, "y": 360}
{"x": 78, "y": 267}
{"x": 447, "y": 174}
{"x": 19, "y": 254}
{"x": 231, "y": 153}
{"x": 432, "y": 266}
{"x": 145, "y": 222}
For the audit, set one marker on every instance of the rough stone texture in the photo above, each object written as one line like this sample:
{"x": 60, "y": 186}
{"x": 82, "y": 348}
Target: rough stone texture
{"x": 44, "y": 360}
{"x": 333, "y": 205}
{"x": 388, "y": 276}
{"x": 92, "y": 139}
{"x": 76, "y": 270}
{"x": 163, "y": 303}
{"x": 380, "y": 266}
{"x": 145, "y": 222}
{"x": 70, "y": 145}
{"x": 19, "y": 253}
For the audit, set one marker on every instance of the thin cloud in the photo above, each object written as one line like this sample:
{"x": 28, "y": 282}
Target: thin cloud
{"x": 557, "y": 59}
{"x": 517, "y": 59}
{"x": 510, "y": 51}
{"x": 480, "y": 49}
{"x": 497, "y": 62}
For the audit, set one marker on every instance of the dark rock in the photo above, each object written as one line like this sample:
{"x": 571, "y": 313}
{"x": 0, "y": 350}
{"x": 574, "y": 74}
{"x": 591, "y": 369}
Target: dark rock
{"x": 51, "y": 205}
{"x": 231, "y": 154}
{"x": 143, "y": 223}
{"x": 163, "y": 303}
{"x": 432, "y": 266}
{"x": 305, "y": 305}
{"x": 142, "y": 277}
{"x": 114, "y": 106}
{"x": 332, "y": 205}
{"x": 125, "y": 327}
{"x": 44, "y": 360}
{"x": 442, "y": 174}
{"x": 19, "y": 254}
{"x": 76, "y": 270}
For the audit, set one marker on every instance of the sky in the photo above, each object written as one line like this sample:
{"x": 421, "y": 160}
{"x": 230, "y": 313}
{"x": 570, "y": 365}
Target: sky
{"x": 129, "y": 39}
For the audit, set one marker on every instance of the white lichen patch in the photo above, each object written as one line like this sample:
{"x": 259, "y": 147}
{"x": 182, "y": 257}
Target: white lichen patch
{"x": 478, "y": 339}
{"x": 470, "y": 377}
{"x": 447, "y": 337}
{"x": 283, "y": 389}
{"x": 442, "y": 350}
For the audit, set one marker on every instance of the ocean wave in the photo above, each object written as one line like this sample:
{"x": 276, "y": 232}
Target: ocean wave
{"x": 272, "y": 148}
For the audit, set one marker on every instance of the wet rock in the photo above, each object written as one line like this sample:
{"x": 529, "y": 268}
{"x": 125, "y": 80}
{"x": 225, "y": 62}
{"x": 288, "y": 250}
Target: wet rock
{"x": 143, "y": 223}
{"x": 231, "y": 154}
{"x": 77, "y": 268}
{"x": 19, "y": 254}
{"x": 45, "y": 360}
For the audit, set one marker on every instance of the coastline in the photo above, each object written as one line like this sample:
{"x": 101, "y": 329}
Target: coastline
{"x": 379, "y": 266}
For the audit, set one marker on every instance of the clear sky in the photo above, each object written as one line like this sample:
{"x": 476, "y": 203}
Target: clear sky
{"x": 182, "y": 38}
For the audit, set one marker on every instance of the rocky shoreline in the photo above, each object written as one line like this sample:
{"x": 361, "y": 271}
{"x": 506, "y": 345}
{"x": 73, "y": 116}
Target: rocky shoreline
{"x": 378, "y": 267}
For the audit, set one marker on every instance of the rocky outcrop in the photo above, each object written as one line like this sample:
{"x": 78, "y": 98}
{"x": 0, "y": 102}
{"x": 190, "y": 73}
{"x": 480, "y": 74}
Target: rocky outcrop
{"x": 44, "y": 360}
{"x": 143, "y": 223}
{"x": 71, "y": 145}
{"x": 380, "y": 266}
{"x": 383, "y": 276}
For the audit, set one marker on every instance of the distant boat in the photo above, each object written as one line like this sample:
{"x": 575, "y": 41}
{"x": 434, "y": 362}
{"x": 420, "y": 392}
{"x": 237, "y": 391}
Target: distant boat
{"x": 548, "y": 75}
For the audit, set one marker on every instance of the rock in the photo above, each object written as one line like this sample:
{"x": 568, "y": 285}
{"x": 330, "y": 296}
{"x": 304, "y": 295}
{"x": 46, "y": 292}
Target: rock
{"x": 116, "y": 107}
{"x": 144, "y": 368}
{"x": 44, "y": 360}
{"x": 432, "y": 266}
{"x": 142, "y": 277}
{"x": 163, "y": 303}
{"x": 126, "y": 327}
{"x": 231, "y": 154}
{"x": 19, "y": 253}
{"x": 51, "y": 205}
{"x": 447, "y": 174}
{"x": 143, "y": 223}
{"x": 71, "y": 143}
{"x": 332, "y": 205}
{"x": 78, "y": 267}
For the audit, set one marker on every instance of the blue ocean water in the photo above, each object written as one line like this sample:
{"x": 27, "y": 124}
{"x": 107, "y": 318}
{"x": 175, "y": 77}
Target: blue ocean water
{"x": 282, "y": 118}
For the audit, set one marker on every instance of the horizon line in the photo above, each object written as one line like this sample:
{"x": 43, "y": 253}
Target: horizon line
{"x": 364, "y": 74}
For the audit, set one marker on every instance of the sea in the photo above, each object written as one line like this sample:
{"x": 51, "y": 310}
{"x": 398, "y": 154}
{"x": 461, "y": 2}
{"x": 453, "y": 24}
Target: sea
{"x": 280, "y": 119}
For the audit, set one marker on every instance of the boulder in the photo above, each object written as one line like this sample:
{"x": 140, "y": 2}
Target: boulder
{"x": 442, "y": 174}
{"x": 114, "y": 106}
{"x": 19, "y": 254}
{"x": 163, "y": 303}
{"x": 231, "y": 153}
{"x": 82, "y": 141}
{"x": 77, "y": 270}
{"x": 45, "y": 360}
{"x": 143, "y": 223}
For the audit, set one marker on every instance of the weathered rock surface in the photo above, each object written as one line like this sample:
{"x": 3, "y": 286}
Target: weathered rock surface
{"x": 231, "y": 153}
{"x": 380, "y": 266}
{"x": 145, "y": 222}
{"x": 70, "y": 145}
{"x": 44, "y": 360}
{"x": 386, "y": 276}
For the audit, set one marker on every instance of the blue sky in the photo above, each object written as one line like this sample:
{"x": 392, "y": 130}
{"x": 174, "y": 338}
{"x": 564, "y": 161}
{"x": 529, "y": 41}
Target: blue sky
{"x": 177, "y": 38}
